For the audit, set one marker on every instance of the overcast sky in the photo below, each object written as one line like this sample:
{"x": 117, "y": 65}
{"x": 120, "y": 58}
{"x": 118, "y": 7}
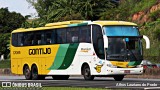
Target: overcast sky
{"x": 19, "y": 6}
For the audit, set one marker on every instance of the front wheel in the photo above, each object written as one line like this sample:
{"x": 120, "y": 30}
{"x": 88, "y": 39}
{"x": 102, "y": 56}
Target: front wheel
{"x": 118, "y": 77}
{"x": 87, "y": 74}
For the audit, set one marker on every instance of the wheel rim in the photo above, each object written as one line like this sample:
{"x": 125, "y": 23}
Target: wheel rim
{"x": 87, "y": 72}
{"x": 34, "y": 72}
{"x": 27, "y": 72}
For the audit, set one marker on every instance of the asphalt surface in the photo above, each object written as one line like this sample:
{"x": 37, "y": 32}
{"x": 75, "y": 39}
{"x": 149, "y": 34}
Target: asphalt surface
{"x": 98, "y": 82}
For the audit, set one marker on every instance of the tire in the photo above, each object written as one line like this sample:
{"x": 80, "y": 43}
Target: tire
{"x": 118, "y": 77}
{"x": 60, "y": 77}
{"x": 27, "y": 73}
{"x": 86, "y": 73}
{"x": 34, "y": 71}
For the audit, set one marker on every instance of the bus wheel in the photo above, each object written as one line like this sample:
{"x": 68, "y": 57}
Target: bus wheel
{"x": 34, "y": 71}
{"x": 60, "y": 77}
{"x": 118, "y": 77}
{"x": 86, "y": 73}
{"x": 27, "y": 73}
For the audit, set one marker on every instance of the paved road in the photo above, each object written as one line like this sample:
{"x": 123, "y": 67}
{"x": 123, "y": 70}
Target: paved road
{"x": 80, "y": 82}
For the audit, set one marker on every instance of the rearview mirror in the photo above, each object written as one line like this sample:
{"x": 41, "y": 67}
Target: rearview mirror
{"x": 105, "y": 38}
{"x": 147, "y": 41}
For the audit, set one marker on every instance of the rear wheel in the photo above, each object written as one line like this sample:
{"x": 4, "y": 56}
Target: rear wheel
{"x": 60, "y": 77}
{"x": 118, "y": 77}
{"x": 27, "y": 73}
{"x": 34, "y": 71}
{"x": 86, "y": 73}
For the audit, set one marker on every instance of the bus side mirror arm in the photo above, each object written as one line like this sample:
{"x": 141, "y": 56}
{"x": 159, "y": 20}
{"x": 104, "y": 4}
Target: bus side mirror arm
{"x": 147, "y": 41}
{"x": 105, "y": 38}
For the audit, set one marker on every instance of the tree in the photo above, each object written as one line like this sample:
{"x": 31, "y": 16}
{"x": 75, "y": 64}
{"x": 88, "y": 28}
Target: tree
{"x": 58, "y": 10}
{"x": 10, "y": 20}
{"x": 4, "y": 40}
{"x": 91, "y": 9}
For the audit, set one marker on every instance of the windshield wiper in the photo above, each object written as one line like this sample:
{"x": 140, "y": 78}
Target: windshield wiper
{"x": 133, "y": 55}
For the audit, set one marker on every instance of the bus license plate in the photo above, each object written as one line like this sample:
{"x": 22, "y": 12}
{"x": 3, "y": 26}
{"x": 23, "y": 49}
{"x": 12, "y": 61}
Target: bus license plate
{"x": 126, "y": 71}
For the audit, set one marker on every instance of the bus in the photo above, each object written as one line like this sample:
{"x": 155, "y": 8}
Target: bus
{"x": 77, "y": 47}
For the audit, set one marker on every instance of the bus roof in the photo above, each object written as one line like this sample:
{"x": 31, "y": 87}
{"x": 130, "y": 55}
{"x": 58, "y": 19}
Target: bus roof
{"x": 74, "y": 23}
{"x": 105, "y": 23}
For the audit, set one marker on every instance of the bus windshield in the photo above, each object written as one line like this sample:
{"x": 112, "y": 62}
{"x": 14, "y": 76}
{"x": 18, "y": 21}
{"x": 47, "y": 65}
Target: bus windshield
{"x": 121, "y": 31}
{"x": 123, "y": 43}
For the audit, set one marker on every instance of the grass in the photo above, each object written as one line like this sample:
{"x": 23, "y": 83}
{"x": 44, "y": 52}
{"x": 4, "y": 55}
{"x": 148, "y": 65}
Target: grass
{"x": 71, "y": 88}
{"x": 53, "y": 88}
{"x": 5, "y": 64}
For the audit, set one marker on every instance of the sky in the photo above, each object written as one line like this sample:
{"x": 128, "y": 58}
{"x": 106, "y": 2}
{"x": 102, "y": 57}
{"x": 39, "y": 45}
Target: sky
{"x": 19, "y": 6}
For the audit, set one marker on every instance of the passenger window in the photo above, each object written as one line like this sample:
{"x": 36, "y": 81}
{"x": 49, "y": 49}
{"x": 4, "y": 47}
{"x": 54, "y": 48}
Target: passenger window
{"x": 15, "y": 39}
{"x": 37, "y": 39}
{"x": 29, "y": 39}
{"x": 20, "y": 39}
{"x": 48, "y": 37}
{"x": 61, "y": 36}
{"x": 72, "y": 35}
{"x": 85, "y": 34}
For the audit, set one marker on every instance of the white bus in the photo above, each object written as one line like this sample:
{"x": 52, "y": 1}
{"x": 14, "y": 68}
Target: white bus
{"x": 88, "y": 48}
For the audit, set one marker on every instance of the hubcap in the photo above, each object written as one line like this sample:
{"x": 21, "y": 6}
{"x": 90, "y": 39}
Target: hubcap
{"x": 87, "y": 72}
{"x": 27, "y": 72}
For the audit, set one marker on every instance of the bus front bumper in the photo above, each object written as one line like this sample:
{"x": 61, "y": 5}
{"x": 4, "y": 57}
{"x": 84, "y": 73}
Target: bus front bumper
{"x": 124, "y": 71}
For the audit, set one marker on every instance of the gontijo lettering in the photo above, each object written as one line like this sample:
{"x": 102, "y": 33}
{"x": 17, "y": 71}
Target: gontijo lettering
{"x": 39, "y": 51}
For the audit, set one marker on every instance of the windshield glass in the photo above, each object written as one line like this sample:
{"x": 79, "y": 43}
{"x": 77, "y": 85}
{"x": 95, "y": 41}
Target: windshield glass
{"x": 124, "y": 49}
{"x": 123, "y": 43}
{"x": 121, "y": 31}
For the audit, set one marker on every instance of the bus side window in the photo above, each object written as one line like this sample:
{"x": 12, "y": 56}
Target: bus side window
{"x": 98, "y": 42}
{"x": 20, "y": 39}
{"x": 61, "y": 36}
{"x": 72, "y": 35}
{"x": 85, "y": 34}
{"x": 29, "y": 39}
{"x": 15, "y": 39}
{"x": 37, "y": 39}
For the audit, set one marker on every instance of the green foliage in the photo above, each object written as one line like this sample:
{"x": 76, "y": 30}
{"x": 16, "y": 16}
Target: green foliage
{"x": 142, "y": 5}
{"x": 151, "y": 29}
{"x": 155, "y": 15}
{"x": 60, "y": 10}
{"x": 32, "y": 24}
{"x": 9, "y": 20}
{"x": 126, "y": 9}
{"x": 4, "y": 40}
{"x": 5, "y": 64}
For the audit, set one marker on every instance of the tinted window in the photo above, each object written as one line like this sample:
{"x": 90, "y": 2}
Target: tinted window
{"x": 15, "y": 39}
{"x": 98, "y": 42}
{"x": 72, "y": 35}
{"x": 50, "y": 37}
{"x": 56, "y": 36}
{"x": 61, "y": 36}
{"x": 29, "y": 39}
{"x": 85, "y": 34}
